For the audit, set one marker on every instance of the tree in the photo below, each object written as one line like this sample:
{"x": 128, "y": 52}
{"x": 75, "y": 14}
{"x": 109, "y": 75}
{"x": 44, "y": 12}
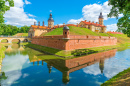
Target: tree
{"x": 4, "y": 8}
{"x": 121, "y": 7}
{"x": 24, "y": 29}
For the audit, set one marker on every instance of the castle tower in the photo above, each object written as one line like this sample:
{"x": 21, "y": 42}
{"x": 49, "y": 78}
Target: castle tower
{"x": 101, "y": 19}
{"x": 66, "y": 32}
{"x": 65, "y": 77}
{"x": 101, "y": 65}
{"x": 49, "y": 67}
{"x": 50, "y": 21}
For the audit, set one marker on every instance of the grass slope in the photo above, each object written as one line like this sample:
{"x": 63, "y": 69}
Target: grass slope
{"x": 122, "y": 43}
{"x": 49, "y": 50}
{"x": 76, "y": 31}
{"x": 2, "y": 55}
{"x": 21, "y": 34}
{"x": 121, "y": 79}
{"x": 122, "y": 38}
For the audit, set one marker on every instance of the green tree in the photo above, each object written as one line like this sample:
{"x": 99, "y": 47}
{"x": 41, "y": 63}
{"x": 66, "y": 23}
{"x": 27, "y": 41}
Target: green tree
{"x": 24, "y": 29}
{"x": 4, "y": 8}
{"x": 121, "y": 7}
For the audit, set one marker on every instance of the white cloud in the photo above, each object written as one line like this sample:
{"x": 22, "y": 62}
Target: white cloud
{"x": 99, "y": 2}
{"x": 13, "y": 71}
{"x": 112, "y": 27}
{"x": 27, "y": 2}
{"x": 74, "y": 21}
{"x": 31, "y": 15}
{"x": 91, "y": 12}
{"x": 17, "y": 16}
{"x": 112, "y": 66}
{"x": 60, "y": 24}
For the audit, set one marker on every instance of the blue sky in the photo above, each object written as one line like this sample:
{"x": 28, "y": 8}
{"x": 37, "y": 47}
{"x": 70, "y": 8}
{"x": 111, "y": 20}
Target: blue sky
{"x": 25, "y": 12}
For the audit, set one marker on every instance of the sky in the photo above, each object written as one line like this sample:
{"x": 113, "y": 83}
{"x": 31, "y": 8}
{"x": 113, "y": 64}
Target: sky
{"x": 26, "y": 12}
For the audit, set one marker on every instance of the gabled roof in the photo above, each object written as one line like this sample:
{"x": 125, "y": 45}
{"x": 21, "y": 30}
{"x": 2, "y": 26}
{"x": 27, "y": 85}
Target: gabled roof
{"x": 91, "y": 23}
{"x": 39, "y": 27}
{"x": 58, "y": 26}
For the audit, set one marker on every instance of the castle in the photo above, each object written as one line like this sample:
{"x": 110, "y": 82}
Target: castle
{"x": 95, "y": 27}
{"x": 37, "y": 30}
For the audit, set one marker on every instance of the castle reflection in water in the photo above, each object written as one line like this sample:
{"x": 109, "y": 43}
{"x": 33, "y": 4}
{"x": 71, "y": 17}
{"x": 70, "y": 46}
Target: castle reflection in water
{"x": 65, "y": 66}
{"x": 70, "y": 65}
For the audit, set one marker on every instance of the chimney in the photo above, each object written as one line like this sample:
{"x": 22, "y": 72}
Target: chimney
{"x": 96, "y": 22}
{"x": 43, "y": 23}
{"x": 58, "y": 25}
{"x": 85, "y": 20}
{"x": 93, "y": 22}
{"x": 89, "y": 21}
{"x": 63, "y": 24}
{"x": 77, "y": 24}
{"x": 39, "y": 23}
{"x": 34, "y": 23}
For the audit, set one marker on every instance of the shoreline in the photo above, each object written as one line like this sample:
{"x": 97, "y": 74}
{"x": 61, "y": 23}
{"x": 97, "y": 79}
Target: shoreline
{"x": 121, "y": 79}
{"x": 77, "y": 52}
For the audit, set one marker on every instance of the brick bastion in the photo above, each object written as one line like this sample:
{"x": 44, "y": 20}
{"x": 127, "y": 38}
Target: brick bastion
{"x": 72, "y": 42}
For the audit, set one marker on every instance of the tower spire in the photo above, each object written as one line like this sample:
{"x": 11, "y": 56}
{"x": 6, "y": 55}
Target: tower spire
{"x": 101, "y": 16}
{"x": 50, "y": 21}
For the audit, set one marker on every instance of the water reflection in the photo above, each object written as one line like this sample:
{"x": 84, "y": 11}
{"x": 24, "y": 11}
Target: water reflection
{"x": 28, "y": 67}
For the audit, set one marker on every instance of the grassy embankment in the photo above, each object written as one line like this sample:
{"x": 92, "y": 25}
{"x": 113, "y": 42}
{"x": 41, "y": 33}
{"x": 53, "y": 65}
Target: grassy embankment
{"x": 123, "y": 42}
{"x": 75, "y": 31}
{"x": 2, "y": 55}
{"x": 21, "y": 34}
{"x": 121, "y": 79}
{"x": 2, "y": 49}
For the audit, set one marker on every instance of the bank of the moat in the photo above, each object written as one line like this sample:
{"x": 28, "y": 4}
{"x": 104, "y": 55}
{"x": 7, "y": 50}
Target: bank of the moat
{"x": 121, "y": 79}
{"x": 77, "y": 52}
{"x": 36, "y": 68}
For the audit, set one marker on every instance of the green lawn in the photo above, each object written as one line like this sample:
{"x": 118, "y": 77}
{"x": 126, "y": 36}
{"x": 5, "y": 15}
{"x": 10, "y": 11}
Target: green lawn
{"x": 120, "y": 79}
{"x": 78, "y": 52}
{"x": 49, "y": 50}
{"x": 25, "y": 34}
{"x": 21, "y": 34}
{"x": 122, "y": 43}
{"x": 2, "y": 49}
{"x": 122, "y": 38}
{"x": 75, "y": 31}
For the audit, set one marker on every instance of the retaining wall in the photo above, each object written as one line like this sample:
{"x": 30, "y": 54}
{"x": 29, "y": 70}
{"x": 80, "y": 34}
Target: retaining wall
{"x": 74, "y": 41}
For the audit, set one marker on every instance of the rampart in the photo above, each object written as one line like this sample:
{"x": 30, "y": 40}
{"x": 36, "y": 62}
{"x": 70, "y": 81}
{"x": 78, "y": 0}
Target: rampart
{"x": 72, "y": 42}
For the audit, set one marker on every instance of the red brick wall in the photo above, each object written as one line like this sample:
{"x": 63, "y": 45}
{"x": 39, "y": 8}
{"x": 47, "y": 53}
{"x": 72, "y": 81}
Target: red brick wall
{"x": 114, "y": 32}
{"x": 92, "y": 58}
{"x": 74, "y": 42}
{"x": 79, "y": 42}
{"x": 50, "y": 41}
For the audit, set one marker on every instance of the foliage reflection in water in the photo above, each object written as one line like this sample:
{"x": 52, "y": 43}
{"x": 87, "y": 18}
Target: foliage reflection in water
{"x": 28, "y": 67}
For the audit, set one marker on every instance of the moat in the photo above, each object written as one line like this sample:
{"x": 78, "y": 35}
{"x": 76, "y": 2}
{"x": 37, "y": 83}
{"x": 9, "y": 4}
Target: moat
{"x": 23, "y": 66}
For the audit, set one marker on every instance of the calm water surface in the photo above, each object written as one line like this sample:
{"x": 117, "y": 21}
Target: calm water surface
{"x": 28, "y": 67}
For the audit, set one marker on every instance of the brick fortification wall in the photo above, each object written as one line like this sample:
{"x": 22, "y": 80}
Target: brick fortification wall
{"x": 90, "y": 59}
{"x": 79, "y": 42}
{"x": 73, "y": 41}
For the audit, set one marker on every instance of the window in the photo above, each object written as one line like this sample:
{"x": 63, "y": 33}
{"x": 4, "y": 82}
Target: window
{"x": 88, "y": 27}
{"x": 65, "y": 32}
